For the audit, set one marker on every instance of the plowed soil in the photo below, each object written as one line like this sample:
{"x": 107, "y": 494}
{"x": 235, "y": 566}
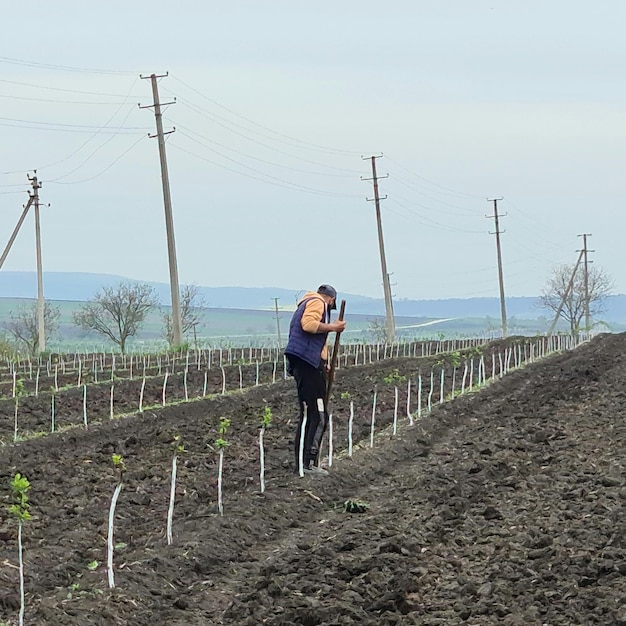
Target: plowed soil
{"x": 503, "y": 506}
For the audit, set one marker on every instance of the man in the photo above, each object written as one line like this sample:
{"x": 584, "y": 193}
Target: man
{"x": 307, "y": 354}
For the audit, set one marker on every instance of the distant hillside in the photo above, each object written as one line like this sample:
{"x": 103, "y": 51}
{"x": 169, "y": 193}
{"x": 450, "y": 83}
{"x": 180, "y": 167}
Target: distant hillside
{"x": 80, "y": 286}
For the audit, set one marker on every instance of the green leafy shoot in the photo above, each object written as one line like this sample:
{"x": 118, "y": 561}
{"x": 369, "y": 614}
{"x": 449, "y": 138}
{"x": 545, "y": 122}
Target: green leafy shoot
{"x": 118, "y": 462}
{"x": 19, "y": 387}
{"x": 19, "y": 498}
{"x": 266, "y": 418}
{"x": 394, "y": 377}
{"x": 346, "y": 395}
{"x": 221, "y": 442}
{"x": 178, "y": 444}
{"x": 355, "y": 506}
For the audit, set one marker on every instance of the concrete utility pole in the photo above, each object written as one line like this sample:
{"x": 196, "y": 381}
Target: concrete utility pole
{"x": 390, "y": 325}
{"x": 496, "y": 217}
{"x": 41, "y": 328}
{"x": 280, "y": 343}
{"x": 585, "y": 253}
{"x": 177, "y": 330}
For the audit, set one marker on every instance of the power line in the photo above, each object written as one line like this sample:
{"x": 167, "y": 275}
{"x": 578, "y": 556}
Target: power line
{"x": 106, "y": 169}
{"x": 65, "y": 68}
{"x": 250, "y": 156}
{"x": 273, "y": 180}
{"x": 305, "y": 144}
{"x": 200, "y": 112}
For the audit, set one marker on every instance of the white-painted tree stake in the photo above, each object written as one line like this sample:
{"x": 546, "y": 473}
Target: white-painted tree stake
{"x": 20, "y": 556}
{"x": 80, "y": 373}
{"x": 464, "y": 378}
{"x": 395, "y": 410}
{"x": 500, "y": 363}
{"x": 493, "y": 365}
{"x": 330, "y": 440}
{"x": 301, "y": 446}
{"x": 256, "y": 382}
{"x": 223, "y": 380}
{"x": 471, "y": 374}
{"x": 206, "y": 377}
{"x": 373, "y": 423}
{"x": 17, "y": 399}
{"x": 111, "y": 403}
{"x": 116, "y": 495}
{"x": 419, "y": 396}
{"x": 14, "y": 383}
{"x": 350, "y": 424}
{"x": 274, "y": 372}
{"x": 185, "y": 385}
{"x": 85, "y": 406}
{"x": 430, "y": 391}
{"x": 167, "y": 373}
{"x": 37, "y": 384}
{"x": 408, "y": 402}
{"x": 131, "y": 366}
{"x": 170, "y": 510}
{"x": 52, "y": 414}
{"x": 262, "y": 458}
{"x": 240, "y": 378}
{"x": 220, "y": 470}
{"x": 442, "y": 385}
{"x": 482, "y": 368}
{"x": 143, "y": 387}
{"x": 453, "y": 382}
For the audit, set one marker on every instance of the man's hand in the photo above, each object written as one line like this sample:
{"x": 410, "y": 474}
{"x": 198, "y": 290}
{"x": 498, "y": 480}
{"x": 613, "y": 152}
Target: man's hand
{"x": 337, "y": 326}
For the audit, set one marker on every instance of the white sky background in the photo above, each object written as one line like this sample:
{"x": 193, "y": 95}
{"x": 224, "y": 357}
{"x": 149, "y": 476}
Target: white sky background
{"x": 276, "y": 103}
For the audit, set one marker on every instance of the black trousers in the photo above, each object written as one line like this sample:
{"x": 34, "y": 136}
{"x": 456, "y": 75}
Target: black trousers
{"x": 311, "y": 384}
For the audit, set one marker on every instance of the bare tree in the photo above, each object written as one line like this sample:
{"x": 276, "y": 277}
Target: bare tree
{"x": 377, "y": 329}
{"x": 117, "y": 312}
{"x": 191, "y": 305}
{"x": 24, "y": 324}
{"x": 555, "y": 291}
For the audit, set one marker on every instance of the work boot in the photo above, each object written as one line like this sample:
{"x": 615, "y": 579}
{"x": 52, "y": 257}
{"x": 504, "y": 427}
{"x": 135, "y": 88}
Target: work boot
{"x": 315, "y": 470}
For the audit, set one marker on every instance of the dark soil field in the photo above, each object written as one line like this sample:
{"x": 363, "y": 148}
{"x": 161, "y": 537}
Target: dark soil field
{"x": 503, "y": 506}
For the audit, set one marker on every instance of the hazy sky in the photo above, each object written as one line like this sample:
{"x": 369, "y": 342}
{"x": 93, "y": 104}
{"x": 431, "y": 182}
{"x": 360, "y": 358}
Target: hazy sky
{"x": 277, "y": 102}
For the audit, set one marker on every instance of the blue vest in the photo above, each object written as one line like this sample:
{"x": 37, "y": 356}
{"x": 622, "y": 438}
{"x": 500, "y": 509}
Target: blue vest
{"x": 307, "y": 346}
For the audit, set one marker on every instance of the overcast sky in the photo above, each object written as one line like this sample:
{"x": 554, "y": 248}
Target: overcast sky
{"x": 276, "y": 103}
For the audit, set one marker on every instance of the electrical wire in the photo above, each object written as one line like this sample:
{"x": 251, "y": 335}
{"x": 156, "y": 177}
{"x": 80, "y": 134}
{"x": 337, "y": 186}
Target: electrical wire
{"x": 65, "y": 68}
{"x": 250, "y": 156}
{"x": 85, "y": 93}
{"x": 426, "y": 180}
{"x": 211, "y": 118}
{"x": 301, "y": 143}
{"x": 273, "y": 180}
{"x": 106, "y": 169}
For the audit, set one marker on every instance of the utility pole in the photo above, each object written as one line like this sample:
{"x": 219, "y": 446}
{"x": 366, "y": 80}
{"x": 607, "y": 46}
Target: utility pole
{"x": 177, "y": 330}
{"x": 41, "y": 328}
{"x": 496, "y": 217}
{"x": 280, "y": 343}
{"x": 389, "y": 317}
{"x": 585, "y": 253}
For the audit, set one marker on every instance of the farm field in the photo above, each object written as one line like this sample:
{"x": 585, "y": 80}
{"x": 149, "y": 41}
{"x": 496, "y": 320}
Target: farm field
{"x": 503, "y": 506}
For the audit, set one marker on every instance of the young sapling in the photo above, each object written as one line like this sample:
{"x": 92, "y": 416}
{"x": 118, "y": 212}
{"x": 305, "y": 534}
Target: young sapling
{"x": 220, "y": 444}
{"x": 118, "y": 462}
{"x": 20, "y": 509}
{"x": 266, "y": 421}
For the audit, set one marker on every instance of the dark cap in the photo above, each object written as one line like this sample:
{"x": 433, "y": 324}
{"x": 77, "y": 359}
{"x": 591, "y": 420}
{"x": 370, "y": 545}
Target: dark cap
{"x": 327, "y": 290}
